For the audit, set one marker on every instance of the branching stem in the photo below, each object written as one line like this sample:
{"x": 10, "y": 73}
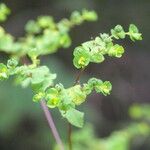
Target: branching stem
{"x": 77, "y": 80}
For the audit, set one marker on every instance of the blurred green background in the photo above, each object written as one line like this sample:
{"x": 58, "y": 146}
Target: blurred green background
{"x": 22, "y": 124}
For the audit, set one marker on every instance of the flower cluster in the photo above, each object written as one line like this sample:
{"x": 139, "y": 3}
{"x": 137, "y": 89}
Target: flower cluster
{"x": 94, "y": 50}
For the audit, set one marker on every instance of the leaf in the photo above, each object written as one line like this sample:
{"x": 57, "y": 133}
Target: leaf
{"x": 39, "y": 74}
{"x": 75, "y": 117}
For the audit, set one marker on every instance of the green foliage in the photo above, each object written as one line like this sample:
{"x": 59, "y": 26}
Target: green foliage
{"x": 86, "y": 139}
{"x": 3, "y": 72}
{"x": 140, "y": 111}
{"x": 4, "y": 12}
{"x": 75, "y": 117}
{"x": 45, "y": 36}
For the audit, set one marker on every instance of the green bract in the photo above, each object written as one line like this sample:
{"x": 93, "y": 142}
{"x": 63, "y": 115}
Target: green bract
{"x": 32, "y": 27}
{"x": 118, "y": 32}
{"x": 134, "y": 33}
{"x": 89, "y": 15}
{"x": 46, "y": 22}
{"x": 39, "y": 96}
{"x": 76, "y": 94}
{"x": 104, "y": 88}
{"x": 12, "y": 63}
{"x": 52, "y": 97}
{"x": 81, "y": 57}
{"x": 116, "y": 51}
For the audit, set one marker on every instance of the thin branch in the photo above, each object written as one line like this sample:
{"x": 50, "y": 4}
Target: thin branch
{"x": 77, "y": 80}
{"x": 51, "y": 124}
{"x": 69, "y": 136}
{"x": 48, "y": 115}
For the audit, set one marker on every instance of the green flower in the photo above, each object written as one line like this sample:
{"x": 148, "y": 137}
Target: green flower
{"x": 104, "y": 88}
{"x": 89, "y": 15}
{"x": 3, "y": 72}
{"x": 46, "y": 21}
{"x": 116, "y": 51}
{"x": 52, "y": 97}
{"x": 39, "y": 96}
{"x": 76, "y": 94}
{"x": 96, "y": 56}
{"x": 4, "y": 12}
{"x": 81, "y": 57}
{"x": 134, "y": 33}
{"x": 12, "y": 63}
{"x": 118, "y": 32}
{"x": 106, "y": 38}
{"x": 76, "y": 18}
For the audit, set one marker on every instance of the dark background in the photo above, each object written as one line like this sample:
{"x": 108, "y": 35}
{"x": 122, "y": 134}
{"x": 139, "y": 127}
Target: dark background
{"x": 22, "y": 125}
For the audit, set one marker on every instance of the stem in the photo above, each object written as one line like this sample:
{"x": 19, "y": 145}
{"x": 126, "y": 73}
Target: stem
{"x": 69, "y": 136}
{"x": 48, "y": 116}
{"x": 51, "y": 124}
{"x": 77, "y": 80}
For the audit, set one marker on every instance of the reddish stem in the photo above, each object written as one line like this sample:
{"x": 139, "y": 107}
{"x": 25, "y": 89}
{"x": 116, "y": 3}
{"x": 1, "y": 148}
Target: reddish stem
{"x": 51, "y": 124}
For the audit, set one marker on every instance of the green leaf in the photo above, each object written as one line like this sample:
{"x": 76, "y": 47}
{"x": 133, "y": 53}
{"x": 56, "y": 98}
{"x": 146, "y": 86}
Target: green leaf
{"x": 6, "y": 43}
{"x": 134, "y": 33}
{"x": 81, "y": 57}
{"x": 75, "y": 117}
{"x": 39, "y": 74}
